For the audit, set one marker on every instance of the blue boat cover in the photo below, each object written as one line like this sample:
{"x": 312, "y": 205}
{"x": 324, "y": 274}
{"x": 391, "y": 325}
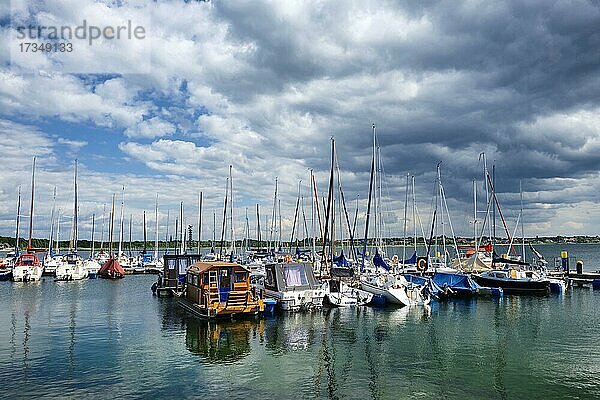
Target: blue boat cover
{"x": 431, "y": 286}
{"x": 341, "y": 260}
{"x": 455, "y": 281}
{"x": 380, "y": 262}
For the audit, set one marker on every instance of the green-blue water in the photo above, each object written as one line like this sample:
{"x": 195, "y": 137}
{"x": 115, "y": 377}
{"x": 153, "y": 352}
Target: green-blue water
{"x": 99, "y": 339}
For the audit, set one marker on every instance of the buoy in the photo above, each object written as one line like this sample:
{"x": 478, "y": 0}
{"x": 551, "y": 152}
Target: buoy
{"x": 579, "y": 267}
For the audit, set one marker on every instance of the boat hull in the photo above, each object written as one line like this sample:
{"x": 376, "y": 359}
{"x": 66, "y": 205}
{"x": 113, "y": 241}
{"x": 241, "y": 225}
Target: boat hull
{"x": 395, "y": 296}
{"x": 515, "y": 286}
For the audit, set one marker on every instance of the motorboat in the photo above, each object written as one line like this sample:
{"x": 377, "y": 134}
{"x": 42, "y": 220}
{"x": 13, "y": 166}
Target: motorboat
{"x": 292, "y": 285}
{"x": 27, "y": 268}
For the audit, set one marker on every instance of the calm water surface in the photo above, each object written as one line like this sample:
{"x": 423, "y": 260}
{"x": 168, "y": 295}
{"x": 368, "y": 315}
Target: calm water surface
{"x": 99, "y": 339}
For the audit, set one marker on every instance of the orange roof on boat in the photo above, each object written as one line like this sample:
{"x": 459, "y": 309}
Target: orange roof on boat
{"x": 202, "y": 266}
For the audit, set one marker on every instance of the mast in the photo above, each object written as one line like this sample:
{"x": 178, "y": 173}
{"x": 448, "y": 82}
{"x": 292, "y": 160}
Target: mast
{"x": 494, "y": 208}
{"x": 224, "y": 220}
{"x": 31, "y": 208}
{"x": 258, "y": 226}
{"x": 280, "y": 246}
{"x": 212, "y": 250}
{"x": 51, "y": 238}
{"x": 58, "y": 231}
{"x": 295, "y": 216}
{"x": 364, "y": 254}
{"x": 329, "y": 210}
{"x": 93, "y": 228}
{"x": 167, "y": 238}
{"x": 318, "y": 207}
{"x": 246, "y": 243}
{"x": 112, "y": 226}
{"x": 18, "y": 221}
{"x": 442, "y": 213}
{"x": 75, "y": 214}
{"x": 231, "y": 228}
{"x": 156, "y": 229}
{"x": 102, "y": 232}
{"x": 405, "y": 215}
{"x": 475, "y": 216}
{"x": 145, "y": 237}
{"x": 273, "y": 219}
{"x": 176, "y": 246}
{"x": 181, "y": 229}
{"x": 312, "y": 217}
{"x": 414, "y": 213}
{"x": 522, "y": 227}
{"x": 121, "y": 222}
{"x": 130, "y": 221}
{"x": 199, "y": 220}
{"x": 378, "y": 209}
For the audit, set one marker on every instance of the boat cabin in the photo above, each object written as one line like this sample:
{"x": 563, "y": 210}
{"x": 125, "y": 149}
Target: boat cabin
{"x": 289, "y": 277}
{"x": 215, "y": 289}
{"x": 28, "y": 260}
{"x": 175, "y": 269}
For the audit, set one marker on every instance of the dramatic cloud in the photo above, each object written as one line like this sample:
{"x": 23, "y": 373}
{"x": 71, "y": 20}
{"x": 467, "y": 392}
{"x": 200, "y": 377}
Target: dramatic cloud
{"x": 263, "y": 86}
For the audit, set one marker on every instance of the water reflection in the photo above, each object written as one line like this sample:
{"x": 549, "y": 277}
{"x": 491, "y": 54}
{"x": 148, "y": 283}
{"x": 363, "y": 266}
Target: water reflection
{"x": 221, "y": 341}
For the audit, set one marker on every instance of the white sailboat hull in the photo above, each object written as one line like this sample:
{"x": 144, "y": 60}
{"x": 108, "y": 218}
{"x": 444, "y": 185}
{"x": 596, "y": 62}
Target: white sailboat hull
{"x": 27, "y": 273}
{"x": 70, "y": 272}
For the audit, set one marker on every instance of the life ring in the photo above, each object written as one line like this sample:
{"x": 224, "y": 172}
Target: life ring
{"x": 422, "y": 264}
{"x": 288, "y": 259}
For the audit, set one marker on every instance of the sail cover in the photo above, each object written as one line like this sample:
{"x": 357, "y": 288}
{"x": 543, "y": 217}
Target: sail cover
{"x": 111, "y": 268}
{"x": 471, "y": 264}
{"x": 412, "y": 260}
{"x": 380, "y": 262}
{"x": 341, "y": 260}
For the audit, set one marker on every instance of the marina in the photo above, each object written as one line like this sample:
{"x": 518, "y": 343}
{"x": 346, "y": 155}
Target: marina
{"x": 469, "y": 347}
{"x": 300, "y": 200}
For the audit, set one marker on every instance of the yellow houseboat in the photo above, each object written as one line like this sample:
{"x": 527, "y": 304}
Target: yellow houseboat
{"x": 219, "y": 289}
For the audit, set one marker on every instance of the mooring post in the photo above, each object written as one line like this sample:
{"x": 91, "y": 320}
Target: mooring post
{"x": 564, "y": 258}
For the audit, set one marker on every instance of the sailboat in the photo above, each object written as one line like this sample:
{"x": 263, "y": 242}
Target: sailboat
{"x": 338, "y": 292}
{"x": 71, "y": 267}
{"x": 91, "y": 265}
{"x": 124, "y": 259}
{"x": 28, "y": 266}
{"x": 111, "y": 269}
{"x": 150, "y": 261}
{"x": 513, "y": 275}
{"x": 6, "y": 271}
{"x": 52, "y": 259}
{"x": 380, "y": 279}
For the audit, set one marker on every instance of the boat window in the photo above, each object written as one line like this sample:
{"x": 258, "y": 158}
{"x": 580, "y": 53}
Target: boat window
{"x": 270, "y": 279}
{"x": 183, "y": 263}
{"x": 295, "y": 275}
{"x": 225, "y": 278}
{"x": 205, "y": 278}
{"x": 190, "y": 279}
{"x": 172, "y": 264}
{"x": 240, "y": 276}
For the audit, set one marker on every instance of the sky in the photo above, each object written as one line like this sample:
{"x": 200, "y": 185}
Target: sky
{"x": 264, "y": 85}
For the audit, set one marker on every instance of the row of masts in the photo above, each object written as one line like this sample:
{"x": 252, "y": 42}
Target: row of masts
{"x": 325, "y": 219}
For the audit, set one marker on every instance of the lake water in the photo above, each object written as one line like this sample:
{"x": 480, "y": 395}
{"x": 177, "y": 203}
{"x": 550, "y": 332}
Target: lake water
{"x": 99, "y": 339}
